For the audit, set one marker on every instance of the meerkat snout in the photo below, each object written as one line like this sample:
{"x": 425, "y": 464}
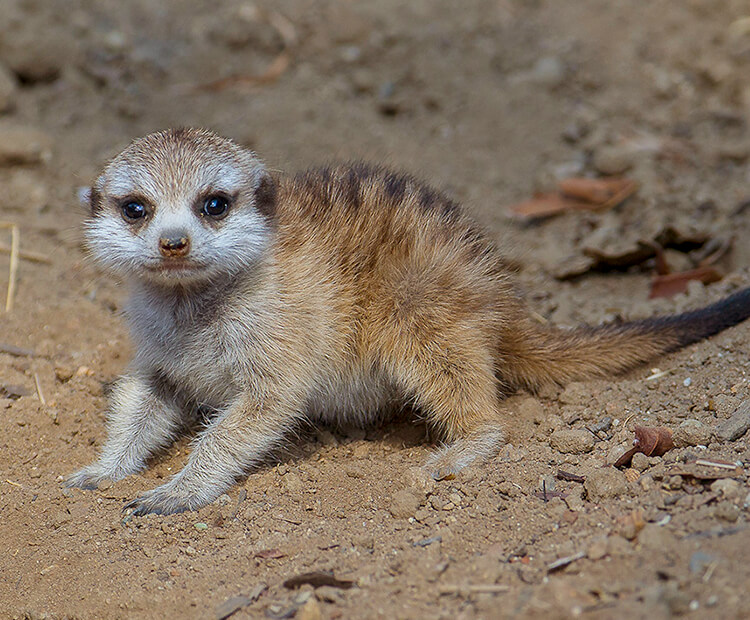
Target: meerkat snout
{"x": 174, "y": 244}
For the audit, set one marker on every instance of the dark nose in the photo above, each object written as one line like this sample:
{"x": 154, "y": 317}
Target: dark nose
{"x": 174, "y": 244}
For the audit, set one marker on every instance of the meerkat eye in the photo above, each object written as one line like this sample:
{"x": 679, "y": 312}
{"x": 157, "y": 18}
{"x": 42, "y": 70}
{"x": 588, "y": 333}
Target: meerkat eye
{"x": 133, "y": 210}
{"x": 215, "y": 206}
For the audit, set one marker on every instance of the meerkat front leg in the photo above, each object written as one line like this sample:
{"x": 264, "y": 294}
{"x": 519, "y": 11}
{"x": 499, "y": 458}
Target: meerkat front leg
{"x": 232, "y": 443}
{"x": 142, "y": 419}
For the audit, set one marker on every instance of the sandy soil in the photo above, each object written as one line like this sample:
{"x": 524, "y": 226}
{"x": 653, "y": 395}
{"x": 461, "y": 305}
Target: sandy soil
{"x": 490, "y": 100}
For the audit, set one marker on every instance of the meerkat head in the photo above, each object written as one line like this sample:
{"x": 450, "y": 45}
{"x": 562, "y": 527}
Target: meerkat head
{"x": 180, "y": 207}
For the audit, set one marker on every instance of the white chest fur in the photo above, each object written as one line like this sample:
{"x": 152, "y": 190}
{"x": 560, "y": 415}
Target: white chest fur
{"x": 191, "y": 342}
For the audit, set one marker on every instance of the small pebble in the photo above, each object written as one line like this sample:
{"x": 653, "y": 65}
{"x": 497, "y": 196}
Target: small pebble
{"x": 310, "y": 610}
{"x": 727, "y": 511}
{"x": 572, "y": 441}
{"x": 737, "y": 425}
{"x": 727, "y": 487}
{"x": 403, "y": 504}
{"x": 597, "y": 549}
{"x": 692, "y": 433}
{"x": 605, "y": 483}
{"x": 639, "y": 462}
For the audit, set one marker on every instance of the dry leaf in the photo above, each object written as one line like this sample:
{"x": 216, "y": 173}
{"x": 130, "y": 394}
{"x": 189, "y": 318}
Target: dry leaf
{"x": 651, "y": 440}
{"x": 604, "y": 193}
{"x": 671, "y": 284}
{"x": 577, "y": 194}
{"x": 270, "y": 554}
{"x": 317, "y": 579}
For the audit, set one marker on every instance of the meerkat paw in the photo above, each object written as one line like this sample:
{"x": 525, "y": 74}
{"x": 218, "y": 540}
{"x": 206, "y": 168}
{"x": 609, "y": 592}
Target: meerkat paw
{"x": 169, "y": 498}
{"x": 482, "y": 444}
{"x": 90, "y": 476}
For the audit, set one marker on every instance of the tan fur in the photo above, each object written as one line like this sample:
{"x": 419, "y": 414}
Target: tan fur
{"x": 354, "y": 289}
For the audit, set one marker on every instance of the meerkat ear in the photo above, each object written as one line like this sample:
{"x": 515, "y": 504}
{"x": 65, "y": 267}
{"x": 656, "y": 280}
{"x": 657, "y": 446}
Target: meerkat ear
{"x": 84, "y": 197}
{"x": 265, "y": 195}
{"x": 90, "y": 197}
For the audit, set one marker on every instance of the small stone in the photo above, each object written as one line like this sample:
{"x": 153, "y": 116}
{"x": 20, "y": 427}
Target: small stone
{"x": 310, "y": 610}
{"x": 293, "y": 482}
{"x": 403, "y": 504}
{"x": 572, "y": 441}
{"x": 8, "y": 89}
{"x": 223, "y": 499}
{"x": 605, "y": 483}
{"x": 455, "y": 498}
{"x": 613, "y": 159}
{"x": 328, "y": 594}
{"x": 692, "y": 433}
{"x": 618, "y": 546}
{"x": 597, "y": 549}
{"x": 547, "y": 483}
{"x": 555, "y": 508}
{"x": 727, "y": 487}
{"x": 736, "y": 426}
{"x": 23, "y": 145}
{"x": 419, "y": 481}
{"x": 574, "y": 501}
{"x": 639, "y": 462}
{"x": 189, "y": 550}
{"x": 104, "y": 484}
{"x": 727, "y": 511}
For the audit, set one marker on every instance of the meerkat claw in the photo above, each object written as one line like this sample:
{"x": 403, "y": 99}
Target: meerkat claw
{"x": 83, "y": 479}
{"x": 155, "y": 502}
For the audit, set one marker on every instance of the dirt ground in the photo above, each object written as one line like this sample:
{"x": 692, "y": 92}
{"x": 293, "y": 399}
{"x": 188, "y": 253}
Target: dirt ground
{"x": 491, "y": 100}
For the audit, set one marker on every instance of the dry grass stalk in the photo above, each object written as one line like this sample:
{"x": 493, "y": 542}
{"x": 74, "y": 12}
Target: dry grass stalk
{"x": 13, "y": 269}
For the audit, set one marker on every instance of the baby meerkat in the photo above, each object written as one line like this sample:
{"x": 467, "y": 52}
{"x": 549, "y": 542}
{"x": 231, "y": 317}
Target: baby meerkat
{"x": 329, "y": 297}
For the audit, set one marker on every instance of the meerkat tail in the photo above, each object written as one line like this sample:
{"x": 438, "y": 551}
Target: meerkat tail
{"x": 535, "y": 356}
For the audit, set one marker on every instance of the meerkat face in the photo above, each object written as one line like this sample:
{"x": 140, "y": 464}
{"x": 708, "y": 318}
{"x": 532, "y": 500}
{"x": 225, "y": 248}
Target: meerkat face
{"x": 179, "y": 207}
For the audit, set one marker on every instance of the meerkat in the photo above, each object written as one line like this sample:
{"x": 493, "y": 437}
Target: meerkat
{"x": 326, "y": 297}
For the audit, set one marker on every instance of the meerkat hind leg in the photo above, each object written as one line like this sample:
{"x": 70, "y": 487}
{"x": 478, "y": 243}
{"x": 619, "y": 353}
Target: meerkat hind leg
{"x": 140, "y": 422}
{"x": 456, "y": 390}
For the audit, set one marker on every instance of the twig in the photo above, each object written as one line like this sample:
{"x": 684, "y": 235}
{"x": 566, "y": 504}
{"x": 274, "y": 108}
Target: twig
{"x": 482, "y": 588}
{"x": 563, "y": 562}
{"x": 39, "y": 392}
{"x": 34, "y": 257}
{"x": 719, "y": 464}
{"x": 13, "y": 269}
{"x": 564, "y": 475}
{"x": 16, "y": 351}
